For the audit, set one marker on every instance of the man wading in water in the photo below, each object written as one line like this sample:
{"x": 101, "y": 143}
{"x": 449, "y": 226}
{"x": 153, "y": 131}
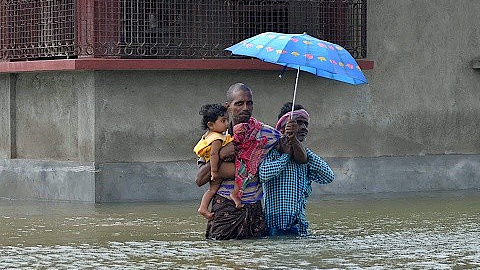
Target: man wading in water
{"x": 230, "y": 222}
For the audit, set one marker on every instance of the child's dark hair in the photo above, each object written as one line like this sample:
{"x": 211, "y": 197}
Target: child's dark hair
{"x": 287, "y": 107}
{"x": 211, "y": 112}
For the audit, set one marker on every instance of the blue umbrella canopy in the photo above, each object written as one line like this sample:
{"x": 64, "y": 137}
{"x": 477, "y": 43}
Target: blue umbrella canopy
{"x": 303, "y": 52}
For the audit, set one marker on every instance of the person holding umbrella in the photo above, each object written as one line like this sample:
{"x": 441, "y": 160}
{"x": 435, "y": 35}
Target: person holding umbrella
{"x": 287, "y": 183}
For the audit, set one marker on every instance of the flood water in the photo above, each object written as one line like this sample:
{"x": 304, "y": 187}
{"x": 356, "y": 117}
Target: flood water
{"x": 413, "y": 231}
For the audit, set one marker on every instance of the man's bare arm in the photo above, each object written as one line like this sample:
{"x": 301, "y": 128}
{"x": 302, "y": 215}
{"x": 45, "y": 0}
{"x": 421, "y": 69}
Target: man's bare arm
{"x": 225, "y": 169}
{"x": 203, "y": 174}
{"x": 297, "y": 150}
{"x": 299, "y": 153}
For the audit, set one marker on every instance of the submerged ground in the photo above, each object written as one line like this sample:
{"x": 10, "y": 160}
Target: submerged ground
{"x": 437, "y": 230}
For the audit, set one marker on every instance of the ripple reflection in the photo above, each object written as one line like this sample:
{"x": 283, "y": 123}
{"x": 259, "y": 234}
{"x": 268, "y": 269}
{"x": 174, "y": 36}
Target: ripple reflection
{"x": 440, "y": 232}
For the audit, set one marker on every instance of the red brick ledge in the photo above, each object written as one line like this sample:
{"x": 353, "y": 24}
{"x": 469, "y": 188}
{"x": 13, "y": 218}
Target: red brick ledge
{"x": 145, "y": 64}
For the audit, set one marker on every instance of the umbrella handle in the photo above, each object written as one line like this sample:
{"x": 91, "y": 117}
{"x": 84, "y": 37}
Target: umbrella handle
{"x": 295, "y": 91}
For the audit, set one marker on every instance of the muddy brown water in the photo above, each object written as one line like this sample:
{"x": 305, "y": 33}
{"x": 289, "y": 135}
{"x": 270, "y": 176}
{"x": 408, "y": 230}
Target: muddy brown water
{"x": 436, "y": 230}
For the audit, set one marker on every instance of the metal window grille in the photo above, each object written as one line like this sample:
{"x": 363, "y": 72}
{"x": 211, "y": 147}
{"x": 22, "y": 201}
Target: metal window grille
{"x": 36, "y": 29}
{"x": 49, "y": 29}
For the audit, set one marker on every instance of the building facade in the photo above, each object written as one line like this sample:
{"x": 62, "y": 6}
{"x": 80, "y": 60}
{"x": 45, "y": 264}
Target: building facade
{"x": 112, "y": 115}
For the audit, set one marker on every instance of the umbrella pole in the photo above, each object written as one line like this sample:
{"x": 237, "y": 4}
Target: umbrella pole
{"x": 295, "y": 91}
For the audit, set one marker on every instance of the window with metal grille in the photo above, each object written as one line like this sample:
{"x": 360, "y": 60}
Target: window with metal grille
{"x": 36, "y": 29}
{"x": 39, "y": 29}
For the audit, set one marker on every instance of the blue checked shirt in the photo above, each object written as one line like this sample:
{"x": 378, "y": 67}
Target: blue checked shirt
{"x": 287, "y": 186}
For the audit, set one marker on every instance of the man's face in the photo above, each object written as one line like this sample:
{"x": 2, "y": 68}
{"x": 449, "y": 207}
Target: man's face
{"x": 241, "y": 107}
{"x": 302, "y": 130}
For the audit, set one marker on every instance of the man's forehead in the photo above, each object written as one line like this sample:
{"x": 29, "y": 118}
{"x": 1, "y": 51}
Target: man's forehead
{"x": 301, "y": 118}
{"x": 242, "y": 95}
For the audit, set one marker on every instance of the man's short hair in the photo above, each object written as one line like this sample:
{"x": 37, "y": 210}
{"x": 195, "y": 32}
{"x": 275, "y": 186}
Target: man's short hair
{"x": 236, "y": 87}
{"x": 287, "y": 107}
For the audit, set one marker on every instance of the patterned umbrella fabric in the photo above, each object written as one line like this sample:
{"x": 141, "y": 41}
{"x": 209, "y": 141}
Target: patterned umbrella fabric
{"x": 303, "y": 52}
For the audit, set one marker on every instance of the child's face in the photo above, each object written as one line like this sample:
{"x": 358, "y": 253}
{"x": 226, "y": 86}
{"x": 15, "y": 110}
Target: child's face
{"x": 220, "y": 125}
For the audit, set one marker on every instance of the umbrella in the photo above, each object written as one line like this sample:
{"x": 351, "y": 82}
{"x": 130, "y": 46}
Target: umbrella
{"x": 302, "y": 52}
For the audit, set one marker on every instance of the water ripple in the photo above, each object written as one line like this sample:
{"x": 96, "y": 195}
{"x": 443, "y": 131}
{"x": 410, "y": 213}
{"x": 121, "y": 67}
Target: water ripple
{"x": 409, "y": 233}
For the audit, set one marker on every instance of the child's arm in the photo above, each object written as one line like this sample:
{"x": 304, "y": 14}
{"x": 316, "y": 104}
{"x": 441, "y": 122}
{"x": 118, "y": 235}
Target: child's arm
{"x": 215, "y": 159}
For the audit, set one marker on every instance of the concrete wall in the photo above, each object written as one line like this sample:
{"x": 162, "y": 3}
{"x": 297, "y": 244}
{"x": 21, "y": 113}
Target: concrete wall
{"x": 413, "y": 127}
{"x": 5, "y": 130}
{"x": 147, "y": 181}
{"x": 402, "y": 174}
{"x": 54, "y": 116}
{"x": 145, "y": 116}
{"x": 425, "y": 96}
{"x": 46, "y": 116}
{"x": 47, "y": 180}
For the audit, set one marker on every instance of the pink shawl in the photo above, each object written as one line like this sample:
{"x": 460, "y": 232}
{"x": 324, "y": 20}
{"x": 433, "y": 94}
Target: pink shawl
{"x": 253, "y": 140}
